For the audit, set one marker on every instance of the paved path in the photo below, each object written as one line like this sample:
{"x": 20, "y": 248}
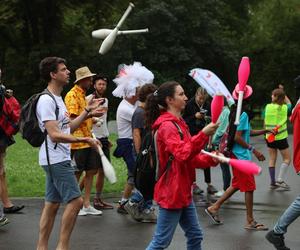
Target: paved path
{"x": 113, "y": 231}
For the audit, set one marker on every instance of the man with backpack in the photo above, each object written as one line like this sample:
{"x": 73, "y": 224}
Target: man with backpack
{"x": 9, "y": 118}
{"x": 54, "y": 154}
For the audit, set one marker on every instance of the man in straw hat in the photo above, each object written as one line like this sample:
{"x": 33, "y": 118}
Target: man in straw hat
{"x": 276, "y": 236}
{"x": 243, "y": 150}
{"x": 85, "y": 157}
{"x": 61, "y": 184}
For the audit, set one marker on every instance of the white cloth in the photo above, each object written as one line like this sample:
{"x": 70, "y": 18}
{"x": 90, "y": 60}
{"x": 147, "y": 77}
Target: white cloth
{"x": 124, "y": 116}
{"x": 102, "y": 131}
{"x": 45, "y": 111}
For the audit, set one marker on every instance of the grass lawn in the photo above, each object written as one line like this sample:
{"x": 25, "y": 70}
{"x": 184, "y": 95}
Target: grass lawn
{"x": 27, "y": 179}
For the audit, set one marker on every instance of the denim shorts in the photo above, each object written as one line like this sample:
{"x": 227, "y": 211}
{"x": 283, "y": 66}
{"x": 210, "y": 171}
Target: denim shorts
{"x": 125, "y": 150}
{"x": 61, "y": 183}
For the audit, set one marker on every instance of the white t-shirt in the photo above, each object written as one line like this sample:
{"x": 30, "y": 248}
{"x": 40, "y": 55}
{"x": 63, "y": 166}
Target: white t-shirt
{"x": 124, "y": 117}
{"x": 101, "y": 131}
{"x": 45, "y": 111}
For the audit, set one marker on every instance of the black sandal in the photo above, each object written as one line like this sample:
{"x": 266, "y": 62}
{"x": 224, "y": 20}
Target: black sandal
{"x": 214, "y": 217}
{"x": 13, "y": 209}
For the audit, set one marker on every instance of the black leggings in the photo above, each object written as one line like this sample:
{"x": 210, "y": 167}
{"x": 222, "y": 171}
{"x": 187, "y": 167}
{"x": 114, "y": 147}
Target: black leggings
{"x": 207, "y": 175}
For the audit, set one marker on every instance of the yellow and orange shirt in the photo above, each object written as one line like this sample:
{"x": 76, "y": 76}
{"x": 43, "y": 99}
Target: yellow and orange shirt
{"x": 75, "y": 102}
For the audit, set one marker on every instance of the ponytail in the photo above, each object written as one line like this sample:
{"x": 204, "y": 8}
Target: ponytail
{"x": 157, "y": 101}
{"x": 152, "y": 110}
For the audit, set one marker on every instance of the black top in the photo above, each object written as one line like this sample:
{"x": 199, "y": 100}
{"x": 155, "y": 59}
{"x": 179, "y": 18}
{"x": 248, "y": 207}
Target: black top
{"x": 195, "y": 125}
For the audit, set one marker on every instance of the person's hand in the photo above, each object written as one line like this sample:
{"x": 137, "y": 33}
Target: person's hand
{"x": 199, "y": 115}
{"x": 93, "y": 102}
{"x": 110, "y": 144}
{"x": 210, "y": 129}
{"x": 94, "y": 143}
{"x": 258, "y": 155}
{"x": 97, "y": 112}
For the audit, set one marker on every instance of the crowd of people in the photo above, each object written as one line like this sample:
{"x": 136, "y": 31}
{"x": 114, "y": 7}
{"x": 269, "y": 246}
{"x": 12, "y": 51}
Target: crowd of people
{"x": 77, "y": 125}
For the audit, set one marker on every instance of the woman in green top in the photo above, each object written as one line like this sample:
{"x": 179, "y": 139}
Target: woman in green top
{"x": 276, "y": 115}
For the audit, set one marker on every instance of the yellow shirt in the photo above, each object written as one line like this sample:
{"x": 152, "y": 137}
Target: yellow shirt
{"x": 75, "y": 102}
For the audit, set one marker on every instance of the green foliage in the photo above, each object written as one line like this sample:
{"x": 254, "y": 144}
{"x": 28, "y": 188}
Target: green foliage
{"x": 184, "y": 34}
{"x": 272, "y": 41}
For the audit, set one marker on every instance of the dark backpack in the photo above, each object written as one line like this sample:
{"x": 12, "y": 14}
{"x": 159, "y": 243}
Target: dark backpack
{"x": 227, "y": 140}
{"x": 147, "y": 165}
{"x": 29, "y": 125}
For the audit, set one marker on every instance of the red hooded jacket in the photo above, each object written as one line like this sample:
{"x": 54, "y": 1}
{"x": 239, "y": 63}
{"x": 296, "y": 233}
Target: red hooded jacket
{"x": 173, "y": 189}
{"x": 295, "y": 119}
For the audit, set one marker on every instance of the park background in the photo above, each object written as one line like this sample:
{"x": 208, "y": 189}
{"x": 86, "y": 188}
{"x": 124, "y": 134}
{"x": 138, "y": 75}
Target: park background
{"x": 184, "y": 34}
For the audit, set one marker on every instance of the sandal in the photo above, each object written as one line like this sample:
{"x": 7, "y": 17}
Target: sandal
{"x": 256, "y": 226}
{"x": 12, "y": 209}
{"x": 214, "y": 217}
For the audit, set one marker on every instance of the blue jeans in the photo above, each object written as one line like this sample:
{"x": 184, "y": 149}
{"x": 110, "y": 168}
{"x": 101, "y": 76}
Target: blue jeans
{"x": 167, "y": 222}
{"x": 291, "y": 214}
{"x": 137, "y": 197}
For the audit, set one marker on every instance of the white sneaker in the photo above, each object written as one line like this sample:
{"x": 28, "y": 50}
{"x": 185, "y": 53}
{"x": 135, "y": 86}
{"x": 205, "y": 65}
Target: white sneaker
{"x": 283, "y": 185}
{"x": 82, "y": 213}
{"x": 91, "y": 210}
{"x": 219, "y": 193}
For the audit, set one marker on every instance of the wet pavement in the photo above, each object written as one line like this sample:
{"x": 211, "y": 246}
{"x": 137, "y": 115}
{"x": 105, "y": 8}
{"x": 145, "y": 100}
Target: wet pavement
{"x": 113, "y": 231}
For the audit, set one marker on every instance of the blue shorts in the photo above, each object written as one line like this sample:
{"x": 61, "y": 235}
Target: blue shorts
{"x": 125, "y": 150}
{"x": 61, "y": 183}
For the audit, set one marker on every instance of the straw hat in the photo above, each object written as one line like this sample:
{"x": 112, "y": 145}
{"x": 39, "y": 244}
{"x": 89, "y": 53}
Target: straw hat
{"x": 82, "y": 73}
{"x": 247, "y": 92}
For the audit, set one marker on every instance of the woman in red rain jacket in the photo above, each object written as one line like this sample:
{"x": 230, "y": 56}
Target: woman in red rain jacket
{"x": 173, "y": 190}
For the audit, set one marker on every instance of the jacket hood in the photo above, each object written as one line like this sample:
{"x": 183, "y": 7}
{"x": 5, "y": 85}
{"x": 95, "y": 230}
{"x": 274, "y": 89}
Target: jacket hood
{"x": 166, "y": 116}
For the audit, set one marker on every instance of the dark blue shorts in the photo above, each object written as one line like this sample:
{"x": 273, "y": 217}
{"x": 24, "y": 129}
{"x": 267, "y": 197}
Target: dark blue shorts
{"x": 125, "y": 150}
{"x": 61, "y": 183}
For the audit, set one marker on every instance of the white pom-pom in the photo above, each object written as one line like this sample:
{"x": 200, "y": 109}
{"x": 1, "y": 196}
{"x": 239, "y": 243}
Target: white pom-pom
{"x": 132, "y": 77}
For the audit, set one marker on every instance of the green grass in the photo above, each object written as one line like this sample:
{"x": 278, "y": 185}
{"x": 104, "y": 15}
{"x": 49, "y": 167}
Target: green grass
{"x": 27, "y": 179}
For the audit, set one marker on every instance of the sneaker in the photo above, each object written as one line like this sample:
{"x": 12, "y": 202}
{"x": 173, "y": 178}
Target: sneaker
{"x": 121, "y": 209}
{"x": 82, "y": 212}
{"x": 100, "y": 205}
{"x": 273, "y": 186}
{"x": 197, "y": 190}
{"x": 132, "y": 208}
{"x": 282, "y": 185}
{"x": 91, "y": 210}
{"x": 219, "y": 193}
{"x": 3, "y": 221}
{"x": 277, "y": 240}
{"x": 148, "y": 216}
{"x": 211, "y": 189}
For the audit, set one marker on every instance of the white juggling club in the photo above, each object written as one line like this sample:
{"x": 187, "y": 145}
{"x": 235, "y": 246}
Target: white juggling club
{"x": 110, "y": 39}
{"x": 103, "y": 33}
{"x": 108, "y": 169}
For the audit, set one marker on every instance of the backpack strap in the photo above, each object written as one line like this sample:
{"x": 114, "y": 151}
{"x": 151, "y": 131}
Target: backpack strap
{"x": 47, "y": 92}
{"x": 171, "y": 157}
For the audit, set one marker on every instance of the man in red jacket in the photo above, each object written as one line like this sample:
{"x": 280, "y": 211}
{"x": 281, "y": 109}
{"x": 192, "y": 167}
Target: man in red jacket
{"x": 276, "y": 236}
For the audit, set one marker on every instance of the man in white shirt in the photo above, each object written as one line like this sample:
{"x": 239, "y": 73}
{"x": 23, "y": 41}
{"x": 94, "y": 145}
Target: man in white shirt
{"x": 61, "y": 184}
{"x": 124, "y": 148}
{"x": 101, "y": 132}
